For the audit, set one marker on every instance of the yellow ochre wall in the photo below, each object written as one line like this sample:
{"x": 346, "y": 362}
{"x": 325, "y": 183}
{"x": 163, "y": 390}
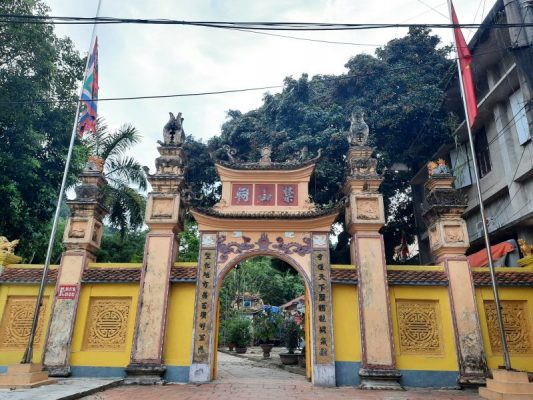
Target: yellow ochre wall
{"x": 346, "y": 323}
{"x": 519, "y": 361}
{"x": 180, "y": 316}
{"x": 105, "y": 358}
{"x": 446, "y": 360}
{"x": 8, "y": 356}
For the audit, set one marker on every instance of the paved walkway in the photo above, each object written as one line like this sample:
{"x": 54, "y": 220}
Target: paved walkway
{"x": 71, "y": 388}
{"x": 241, "y": 379}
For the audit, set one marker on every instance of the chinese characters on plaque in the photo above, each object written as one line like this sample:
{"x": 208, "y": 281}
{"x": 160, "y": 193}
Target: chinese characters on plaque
{"x": 264, "y": 194}
{"x": 322, "y": 304}
{"x": 204, "y": 303}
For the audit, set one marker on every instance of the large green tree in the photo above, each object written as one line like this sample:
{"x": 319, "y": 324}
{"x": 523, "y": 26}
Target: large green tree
{"x": 401, "y": 88}
{"x": 35, "y": 67}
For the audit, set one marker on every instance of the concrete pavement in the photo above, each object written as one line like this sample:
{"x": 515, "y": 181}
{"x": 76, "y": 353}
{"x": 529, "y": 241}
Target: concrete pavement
{"x": 241, "y": 379}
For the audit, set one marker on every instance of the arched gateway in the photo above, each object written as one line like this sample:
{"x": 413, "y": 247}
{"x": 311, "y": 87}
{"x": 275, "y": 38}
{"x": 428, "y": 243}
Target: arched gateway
{"x": 264, "y": 210}
{"x": 156, "y": 321}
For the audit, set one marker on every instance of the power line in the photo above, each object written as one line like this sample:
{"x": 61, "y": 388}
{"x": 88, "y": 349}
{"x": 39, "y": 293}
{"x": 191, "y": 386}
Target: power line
{"x": 213, "y": 92}
{"x": 307, "y": 39}
{"x": 279, "y": 26}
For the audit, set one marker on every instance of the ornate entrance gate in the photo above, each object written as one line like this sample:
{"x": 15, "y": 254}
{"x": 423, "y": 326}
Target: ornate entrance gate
{"x": 264, "y": 211}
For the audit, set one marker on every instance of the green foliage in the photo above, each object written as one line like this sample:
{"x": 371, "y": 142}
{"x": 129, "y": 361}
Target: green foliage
{"x": 189, "y": 241}
{"x": 239, "y": 332}
{"x": 291, "y": 333}
{"x": 401, "y": 89}
{"x": 125, "y": 176}
{"x": 117, "y": 247}
{"x": 267, "y": 325}
{"x": 259, "y": 275}
{"x": 34, "y": 65}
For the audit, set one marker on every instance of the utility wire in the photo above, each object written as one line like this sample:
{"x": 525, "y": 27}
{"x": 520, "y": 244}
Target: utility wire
{"x": 280, "y": 26}
{"x": 214, "y": 92}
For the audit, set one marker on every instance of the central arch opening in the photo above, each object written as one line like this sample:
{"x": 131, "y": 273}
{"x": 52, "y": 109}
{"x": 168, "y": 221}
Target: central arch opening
{"x": 262, "y": 320}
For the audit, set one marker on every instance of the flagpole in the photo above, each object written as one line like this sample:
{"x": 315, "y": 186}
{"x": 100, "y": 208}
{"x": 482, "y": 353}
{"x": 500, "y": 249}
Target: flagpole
{"x": 501, "y": 328}
{"x": 28, "y": 354}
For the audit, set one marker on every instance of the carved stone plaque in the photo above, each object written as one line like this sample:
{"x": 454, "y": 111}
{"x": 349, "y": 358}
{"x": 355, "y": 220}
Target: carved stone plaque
{"x": 367, "y": 208}
{"x": 17, "y": 320}
{"x": 516, "y": 323}
{"x": 204, "y": 305}
{"x": 322, "y": 308}
{"x": 107, "y": 324}
{"x": 162, "y": 208}
{"x": 77, "y": 229}
{"x": 453, "y": 233}
{"x": 418, "y": 326}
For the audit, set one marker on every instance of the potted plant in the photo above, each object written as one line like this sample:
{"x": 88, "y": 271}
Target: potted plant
{"x": 290, "y": 332}
{"x": 266, "y": 327}
{"x": 240, "y": 334}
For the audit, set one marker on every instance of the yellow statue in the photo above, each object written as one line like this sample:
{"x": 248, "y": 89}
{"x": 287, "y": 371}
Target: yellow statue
{"x": 525, "y": 248}
{"x": 7, "y": 246}
{"x": 437, "y": 168}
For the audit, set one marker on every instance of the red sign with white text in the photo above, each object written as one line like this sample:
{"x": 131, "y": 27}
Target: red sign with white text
{"x": 67, "y": 292}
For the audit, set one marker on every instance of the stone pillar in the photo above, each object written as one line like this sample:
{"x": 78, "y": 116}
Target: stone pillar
{"x": 365, "y": 215}
{"x": 164, "y": 217}
{"x": 448, "y": 239}
{"x": 81, "y": 239}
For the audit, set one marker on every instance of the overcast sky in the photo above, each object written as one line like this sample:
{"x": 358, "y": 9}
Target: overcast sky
{"x": 138, "y": 60}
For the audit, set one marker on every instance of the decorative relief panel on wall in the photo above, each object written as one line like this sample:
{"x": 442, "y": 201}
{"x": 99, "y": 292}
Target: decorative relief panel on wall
{"x": 516, "y": 322}
{"x": 107, "y": 324}
{"x": 419, "y": 327}
{"x": 367, "y": 208}
{"x": 17, "y": 320}
{"x": 204, "y": 306}
{"x": 322, "y": 307}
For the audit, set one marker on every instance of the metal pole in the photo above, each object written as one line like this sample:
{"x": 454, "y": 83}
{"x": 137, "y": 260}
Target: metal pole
{"x": 503, "y": 339}
{"x": 28, "y": 354}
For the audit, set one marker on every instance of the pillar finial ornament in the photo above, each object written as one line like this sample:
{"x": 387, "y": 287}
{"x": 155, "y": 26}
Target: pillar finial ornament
{"x": 85, "y": 227}
{"x": 442, "y": 209}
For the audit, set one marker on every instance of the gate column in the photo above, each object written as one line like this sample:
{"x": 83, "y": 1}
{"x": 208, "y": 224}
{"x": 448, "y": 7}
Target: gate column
{"x": 164, "y": 217}
{"x": 81, "y": 239}
{"x": 448, "y": 239}
{"x": 365, "y": 215}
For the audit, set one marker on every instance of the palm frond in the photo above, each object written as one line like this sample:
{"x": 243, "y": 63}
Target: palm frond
{"x": 126, "y": 170}
{"x": 116, "y": 143}
{"x": 126, "y": 208}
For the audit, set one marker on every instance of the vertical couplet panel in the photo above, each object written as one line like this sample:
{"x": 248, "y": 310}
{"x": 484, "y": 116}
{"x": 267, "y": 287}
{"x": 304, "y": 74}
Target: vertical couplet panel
{"x": 324, "y": 363}
{"x": 204, "y": 314}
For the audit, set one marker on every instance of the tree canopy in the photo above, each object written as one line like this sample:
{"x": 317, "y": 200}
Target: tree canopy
{"x": 34, "y": 65}
{"x": 401, "y": 88}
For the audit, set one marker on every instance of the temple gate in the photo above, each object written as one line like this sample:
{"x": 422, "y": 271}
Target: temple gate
{"x": 368, "y": 324}
{"x": 264, "y": 211}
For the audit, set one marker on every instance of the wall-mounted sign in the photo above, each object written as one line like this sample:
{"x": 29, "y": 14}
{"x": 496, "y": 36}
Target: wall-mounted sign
{"x": 67, "y": 292}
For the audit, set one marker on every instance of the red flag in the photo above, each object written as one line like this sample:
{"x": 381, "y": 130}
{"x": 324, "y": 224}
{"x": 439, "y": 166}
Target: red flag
{"x": 465, "y": 59}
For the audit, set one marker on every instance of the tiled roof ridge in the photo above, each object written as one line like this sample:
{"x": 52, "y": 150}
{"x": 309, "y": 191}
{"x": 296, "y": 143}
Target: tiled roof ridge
{"x": 320, "y": 212}
{"x": 188, "y": 274}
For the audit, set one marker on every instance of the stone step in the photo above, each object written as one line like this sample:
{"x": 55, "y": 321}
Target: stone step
{"x": 492, "y": 395}
{"x": 24, "y": 368}
{"x": 501, "y": 375}
{"x": 510, "y": 387}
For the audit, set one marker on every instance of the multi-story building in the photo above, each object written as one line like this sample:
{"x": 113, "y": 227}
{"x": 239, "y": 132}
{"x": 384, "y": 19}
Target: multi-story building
{"x": 502, "y": 133}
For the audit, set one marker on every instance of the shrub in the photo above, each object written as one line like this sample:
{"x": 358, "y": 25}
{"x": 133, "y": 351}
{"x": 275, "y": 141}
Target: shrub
{"x": 239, "y": 332}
